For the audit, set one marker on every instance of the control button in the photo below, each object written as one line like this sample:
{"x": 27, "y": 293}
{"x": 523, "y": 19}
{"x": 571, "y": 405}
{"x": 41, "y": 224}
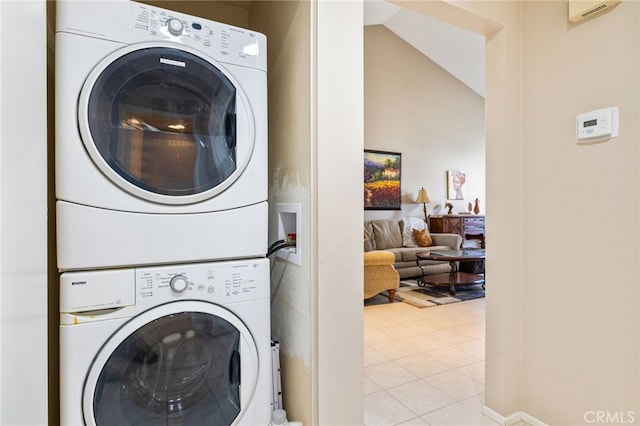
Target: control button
{"x": 179, "y": 283}
{"x": 207, "y": 42}
{"x": 211, "y": 289}
{"x": 175, "y": 26}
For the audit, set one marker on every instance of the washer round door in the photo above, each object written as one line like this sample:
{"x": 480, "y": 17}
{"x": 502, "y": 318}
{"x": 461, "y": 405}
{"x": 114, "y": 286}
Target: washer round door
{"x": 166, "y": 123}
{"x": 185, "y": 362}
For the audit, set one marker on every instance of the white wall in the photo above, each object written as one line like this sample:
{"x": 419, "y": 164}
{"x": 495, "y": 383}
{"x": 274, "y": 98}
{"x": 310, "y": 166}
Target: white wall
{"x": 338, "y": 205}
{"x": 23, "y": 215}
{"x": 415, "y": 107}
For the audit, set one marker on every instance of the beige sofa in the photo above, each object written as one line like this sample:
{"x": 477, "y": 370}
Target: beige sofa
{"x": 396, "y": 236}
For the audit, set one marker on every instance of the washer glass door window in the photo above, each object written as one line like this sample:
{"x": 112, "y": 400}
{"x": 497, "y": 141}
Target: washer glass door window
{"x": 182, "y": 368}
{"x": 161, "y": 123}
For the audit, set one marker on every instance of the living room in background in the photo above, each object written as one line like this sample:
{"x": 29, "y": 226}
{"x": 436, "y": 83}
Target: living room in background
{"x": 382, "y": 180}
{"x": 446, "y": 131}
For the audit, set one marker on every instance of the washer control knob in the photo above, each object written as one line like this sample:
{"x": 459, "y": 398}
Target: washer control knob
{"x": 175, "y": 26}
{"x": 179, "y": 283}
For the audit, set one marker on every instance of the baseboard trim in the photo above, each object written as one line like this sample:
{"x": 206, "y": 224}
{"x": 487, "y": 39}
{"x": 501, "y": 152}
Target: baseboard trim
{"x": 488, "y": 412}
{"x": 512, "y": 419}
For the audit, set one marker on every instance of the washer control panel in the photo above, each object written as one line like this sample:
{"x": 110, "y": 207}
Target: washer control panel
{"x": 219, "y": 282}
{"x": 141, "y": 288}
{"x": 179, "y": 283}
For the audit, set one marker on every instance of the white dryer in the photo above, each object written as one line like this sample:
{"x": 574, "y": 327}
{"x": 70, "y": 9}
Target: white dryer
{"x": 161, "y": 137}
{"x": 184, "y": 345}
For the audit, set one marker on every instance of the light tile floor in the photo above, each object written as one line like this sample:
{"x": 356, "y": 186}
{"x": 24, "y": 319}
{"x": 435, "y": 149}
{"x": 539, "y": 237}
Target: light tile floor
{"x": 424, "y": 366}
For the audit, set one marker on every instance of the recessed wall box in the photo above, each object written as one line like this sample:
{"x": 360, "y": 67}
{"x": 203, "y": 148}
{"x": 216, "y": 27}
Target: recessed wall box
{"x": 597, "y": 125}
{"x": 289, "y": 226}
{"x": 582, "y": 9}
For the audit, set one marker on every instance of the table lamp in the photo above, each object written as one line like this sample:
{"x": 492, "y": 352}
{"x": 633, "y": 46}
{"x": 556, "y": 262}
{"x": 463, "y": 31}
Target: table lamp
{"x": 423, "y": 198}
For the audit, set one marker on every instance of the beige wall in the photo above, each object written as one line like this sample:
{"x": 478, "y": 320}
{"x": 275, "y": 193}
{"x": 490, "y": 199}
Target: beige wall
{"x": 580, "y": 301}
{"x": 287, "y": 26}
{"x": 315, "y": 81}
{"x": 415, "y": 107}
{"x": 560, "y": 342}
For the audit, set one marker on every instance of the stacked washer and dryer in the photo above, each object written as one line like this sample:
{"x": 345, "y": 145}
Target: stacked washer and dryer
{"x": 161, "y": 186}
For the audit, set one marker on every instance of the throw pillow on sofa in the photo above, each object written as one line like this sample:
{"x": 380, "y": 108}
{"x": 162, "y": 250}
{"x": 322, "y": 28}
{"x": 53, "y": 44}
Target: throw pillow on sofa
{"x": 408, "y": 225}
{"x": 422, "y": 237}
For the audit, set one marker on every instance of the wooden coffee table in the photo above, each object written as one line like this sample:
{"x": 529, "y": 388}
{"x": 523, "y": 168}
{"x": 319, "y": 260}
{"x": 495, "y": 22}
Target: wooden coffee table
{"x": 455, "y": 277}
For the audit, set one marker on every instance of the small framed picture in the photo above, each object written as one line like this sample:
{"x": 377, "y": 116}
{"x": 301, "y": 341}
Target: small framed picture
{"x": 455, "y": 184}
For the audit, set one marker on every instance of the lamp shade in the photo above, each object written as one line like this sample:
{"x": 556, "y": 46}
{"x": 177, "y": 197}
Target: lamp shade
{"x": 423, "y": 197}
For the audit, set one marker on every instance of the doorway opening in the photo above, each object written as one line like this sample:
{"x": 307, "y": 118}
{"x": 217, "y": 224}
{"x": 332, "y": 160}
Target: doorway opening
{"x": 397, "y": 365}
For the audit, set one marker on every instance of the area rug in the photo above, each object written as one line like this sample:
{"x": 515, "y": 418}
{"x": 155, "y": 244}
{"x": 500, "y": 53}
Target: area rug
{"x": 424, "y": 297}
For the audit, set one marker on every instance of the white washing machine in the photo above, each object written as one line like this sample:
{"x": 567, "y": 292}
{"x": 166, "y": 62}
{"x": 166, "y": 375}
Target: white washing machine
{"x": 161, "y": 137}
{"x": 175, "y": 345}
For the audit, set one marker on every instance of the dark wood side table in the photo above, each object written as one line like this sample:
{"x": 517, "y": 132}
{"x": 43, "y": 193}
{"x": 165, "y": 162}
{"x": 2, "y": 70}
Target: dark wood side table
{"x": 455, "y": 277}
{"x": 468, "y": 226}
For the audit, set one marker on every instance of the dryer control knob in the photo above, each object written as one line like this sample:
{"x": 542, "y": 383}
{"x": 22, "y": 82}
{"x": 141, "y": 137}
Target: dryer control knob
{"x": 175, "y": 26}
{"x": 179, "y": 283}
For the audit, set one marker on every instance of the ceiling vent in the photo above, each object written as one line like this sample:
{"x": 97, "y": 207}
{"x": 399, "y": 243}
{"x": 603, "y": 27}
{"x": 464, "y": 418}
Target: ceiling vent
{"x": 581, "y": 9}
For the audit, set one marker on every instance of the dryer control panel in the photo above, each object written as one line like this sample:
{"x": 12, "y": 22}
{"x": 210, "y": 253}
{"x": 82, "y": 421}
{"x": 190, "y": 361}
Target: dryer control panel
{"x": 225, "y": 43}
{"x": 130, "y": 22}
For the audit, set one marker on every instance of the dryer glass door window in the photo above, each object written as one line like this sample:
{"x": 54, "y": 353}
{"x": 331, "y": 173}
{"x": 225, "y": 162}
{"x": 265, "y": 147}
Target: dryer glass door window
{"x": 182, "y": 369}
{"x": 165, "y": 121}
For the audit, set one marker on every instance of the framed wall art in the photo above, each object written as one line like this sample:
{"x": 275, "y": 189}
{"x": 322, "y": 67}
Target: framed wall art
{"x": 455, "y": 184}
{"x": 381, "y": 180}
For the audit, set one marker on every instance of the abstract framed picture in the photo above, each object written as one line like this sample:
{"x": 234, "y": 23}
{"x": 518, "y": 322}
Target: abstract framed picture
{"x": 382, "y": 180}
{"x": 455, "y": 184}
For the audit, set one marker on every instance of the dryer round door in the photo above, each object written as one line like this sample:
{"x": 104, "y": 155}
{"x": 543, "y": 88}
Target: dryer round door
{"x": 166, "y": 124}
{"x": 186, "y": 362}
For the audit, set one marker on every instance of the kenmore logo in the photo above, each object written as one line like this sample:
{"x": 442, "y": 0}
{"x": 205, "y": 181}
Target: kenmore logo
{"x": 78, "y": 283}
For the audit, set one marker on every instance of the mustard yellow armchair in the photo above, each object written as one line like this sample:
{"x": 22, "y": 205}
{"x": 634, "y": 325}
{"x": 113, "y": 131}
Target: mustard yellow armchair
{"x": 379, "y": 274}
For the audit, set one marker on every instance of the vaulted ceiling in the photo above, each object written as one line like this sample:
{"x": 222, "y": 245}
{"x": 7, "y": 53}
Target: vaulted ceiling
{"x": 458, "y": 51}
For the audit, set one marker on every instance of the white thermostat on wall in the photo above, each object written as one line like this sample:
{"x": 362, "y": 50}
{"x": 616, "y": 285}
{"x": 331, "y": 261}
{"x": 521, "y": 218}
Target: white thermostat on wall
{"x": 600, "y": 124}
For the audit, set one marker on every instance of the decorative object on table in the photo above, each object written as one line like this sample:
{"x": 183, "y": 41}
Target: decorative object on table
{"x": 423, "y": 197}
{"x": 455, "y": 183}
{"x": 470, "y": 207}
{"x": 381, "y": 180}
{"x": 449, "y": 206}
{"x": 476, "y": 208}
